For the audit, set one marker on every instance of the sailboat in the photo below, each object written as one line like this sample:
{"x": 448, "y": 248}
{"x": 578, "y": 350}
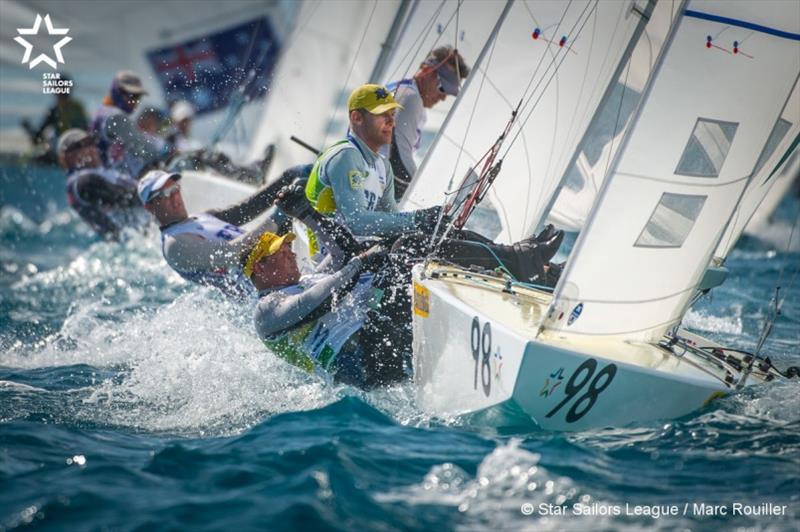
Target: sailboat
{"x": 605, "y": 347}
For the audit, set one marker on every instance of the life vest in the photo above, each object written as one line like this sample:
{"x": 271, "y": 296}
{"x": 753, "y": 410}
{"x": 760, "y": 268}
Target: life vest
{"x": 208, "y": 227}
{"x": 315, "y": 344}
{"x": 373, "y": 181}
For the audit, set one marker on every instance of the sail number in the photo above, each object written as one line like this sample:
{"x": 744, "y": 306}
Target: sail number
{"x": 576, "y": 383}
{"x": 481, "y": 343}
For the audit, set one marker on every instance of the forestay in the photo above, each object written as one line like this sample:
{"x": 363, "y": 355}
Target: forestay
{"x": 566, "y": 90}
{"x": 704, "y": 121}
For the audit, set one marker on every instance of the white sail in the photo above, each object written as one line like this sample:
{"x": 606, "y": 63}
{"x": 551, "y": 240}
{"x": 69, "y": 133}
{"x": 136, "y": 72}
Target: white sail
{"x": 325, "y": 59}
{"x": 598, "y": 34}
{"x": 671, "y": 190}
{"x": 573, "y": 199}
{"x": 774, "y": 173}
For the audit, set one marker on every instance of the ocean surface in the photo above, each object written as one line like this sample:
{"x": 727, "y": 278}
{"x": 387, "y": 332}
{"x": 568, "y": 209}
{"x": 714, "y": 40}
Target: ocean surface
{"x": 130, "y": 400}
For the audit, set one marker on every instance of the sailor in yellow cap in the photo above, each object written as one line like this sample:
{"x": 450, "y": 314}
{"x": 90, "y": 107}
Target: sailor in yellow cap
{"x": 353, "y": 182}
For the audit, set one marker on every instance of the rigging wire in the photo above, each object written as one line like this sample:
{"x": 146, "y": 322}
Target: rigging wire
{"x": 416, "y": 45}
{"x": 490, "y": 169}
{"x": 777, "y": 300}
{"x": 352, "y": 65}
{"x": 552, "y": 74}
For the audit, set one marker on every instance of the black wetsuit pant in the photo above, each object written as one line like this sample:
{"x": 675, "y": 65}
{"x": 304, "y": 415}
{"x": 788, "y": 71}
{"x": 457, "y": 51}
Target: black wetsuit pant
{"x": 386, "y": 335}
{"x": 252, "y": 206}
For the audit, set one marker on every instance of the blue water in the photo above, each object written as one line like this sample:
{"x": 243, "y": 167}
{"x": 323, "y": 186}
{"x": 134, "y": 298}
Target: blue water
{"x": 130, "y": 400}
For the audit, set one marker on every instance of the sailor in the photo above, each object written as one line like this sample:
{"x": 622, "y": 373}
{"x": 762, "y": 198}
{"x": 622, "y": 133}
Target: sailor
{"x": 104, "y": 198}
{"x": 66, "y": 113}
{"x": 194, "y": 156}
{"x": 207, "y": 247}
{"x": 182, "y": 115}
{"x": 353, "y": 183}
{"x": 438, "y": 76}
{"x": 351, "y": 317}
{"x": 122, "y": 145}
{"x": 152, "y": 121}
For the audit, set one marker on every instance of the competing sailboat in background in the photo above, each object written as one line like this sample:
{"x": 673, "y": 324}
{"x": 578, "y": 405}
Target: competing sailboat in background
{"x": 605, "y": 348}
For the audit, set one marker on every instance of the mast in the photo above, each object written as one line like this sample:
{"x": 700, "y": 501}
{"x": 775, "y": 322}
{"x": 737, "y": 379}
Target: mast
{"x": 395, "y": 32}
{"x": 644, "y": 18}
{"x": 467, "y": 83}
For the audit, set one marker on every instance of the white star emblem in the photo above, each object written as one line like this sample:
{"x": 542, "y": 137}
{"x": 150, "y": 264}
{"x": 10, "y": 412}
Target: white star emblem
{"x": 35, "y": 31}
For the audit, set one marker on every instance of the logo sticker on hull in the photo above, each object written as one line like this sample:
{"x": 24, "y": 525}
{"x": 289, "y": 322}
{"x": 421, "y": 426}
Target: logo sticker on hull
{"x": 552, "y": 382}
{"x": 422, "y": 300}
{"x": 575, "y": 314}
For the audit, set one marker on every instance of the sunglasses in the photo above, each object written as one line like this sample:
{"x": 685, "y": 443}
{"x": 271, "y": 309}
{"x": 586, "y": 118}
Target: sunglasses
{"x": 165, "y": 192}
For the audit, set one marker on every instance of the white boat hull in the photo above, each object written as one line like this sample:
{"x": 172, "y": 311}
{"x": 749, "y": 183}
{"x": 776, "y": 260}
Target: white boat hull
{"x": 477, "y": 354}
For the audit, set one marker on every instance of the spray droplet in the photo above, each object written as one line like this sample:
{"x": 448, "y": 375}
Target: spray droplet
{"x": 536, "y": 33}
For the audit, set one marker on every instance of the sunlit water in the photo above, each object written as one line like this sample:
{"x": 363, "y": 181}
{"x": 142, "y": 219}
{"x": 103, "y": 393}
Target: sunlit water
{"x": 132, "y": 400}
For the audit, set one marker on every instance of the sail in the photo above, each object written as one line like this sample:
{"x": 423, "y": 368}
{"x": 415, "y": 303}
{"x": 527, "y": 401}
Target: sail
{"x": 572, "y": 200}
{"x": 705, "y": 118}
{"x": 761, "y": 223}
{"x": 776, "y": 169}
{"x": 322, "y": 63}
{"x": 578, "y": 47}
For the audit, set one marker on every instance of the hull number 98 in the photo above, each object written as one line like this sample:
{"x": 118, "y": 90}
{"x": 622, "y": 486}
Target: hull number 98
{"x": 583, "y": 375}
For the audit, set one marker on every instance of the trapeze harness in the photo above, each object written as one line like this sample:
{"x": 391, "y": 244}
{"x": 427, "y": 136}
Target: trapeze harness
{"x": 211, "y": 228}
{"x": 314, "y": 344}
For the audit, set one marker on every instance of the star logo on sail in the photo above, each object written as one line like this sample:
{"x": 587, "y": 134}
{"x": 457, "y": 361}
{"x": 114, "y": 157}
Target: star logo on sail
{"x": 42, "y": 58}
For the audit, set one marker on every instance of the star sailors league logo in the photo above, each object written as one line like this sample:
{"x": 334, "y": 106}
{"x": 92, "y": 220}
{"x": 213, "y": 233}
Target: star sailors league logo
{"x": 42, "y": 58}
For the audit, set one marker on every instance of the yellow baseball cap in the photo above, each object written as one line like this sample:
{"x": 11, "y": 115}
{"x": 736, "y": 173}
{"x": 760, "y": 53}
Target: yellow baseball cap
{"x": 268, "y": 244}
{"x": 376, "y": 99}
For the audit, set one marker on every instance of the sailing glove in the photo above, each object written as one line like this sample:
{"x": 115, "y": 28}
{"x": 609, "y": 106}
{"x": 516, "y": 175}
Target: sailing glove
{"x": 292, "y": 200}
{"x": 425, "y": 220}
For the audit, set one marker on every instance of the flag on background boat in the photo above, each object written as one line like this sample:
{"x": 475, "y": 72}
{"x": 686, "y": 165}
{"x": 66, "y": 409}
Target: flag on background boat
{"x": 207, "y": 70}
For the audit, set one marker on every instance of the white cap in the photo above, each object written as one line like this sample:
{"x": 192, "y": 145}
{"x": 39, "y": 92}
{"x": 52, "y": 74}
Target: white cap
{"x": 181, "y": 110}
{"x": 152, "y": 182}
{"x": 129, "y": 82}
{"x": 70, "y": 138}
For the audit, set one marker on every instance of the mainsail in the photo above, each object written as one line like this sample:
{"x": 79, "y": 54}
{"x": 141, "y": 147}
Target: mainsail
{"x": 569, "y": 52}
{"x": 572, "y": 200}
{"x": 322, "y": 63}
{"x": 671, "y": 190}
